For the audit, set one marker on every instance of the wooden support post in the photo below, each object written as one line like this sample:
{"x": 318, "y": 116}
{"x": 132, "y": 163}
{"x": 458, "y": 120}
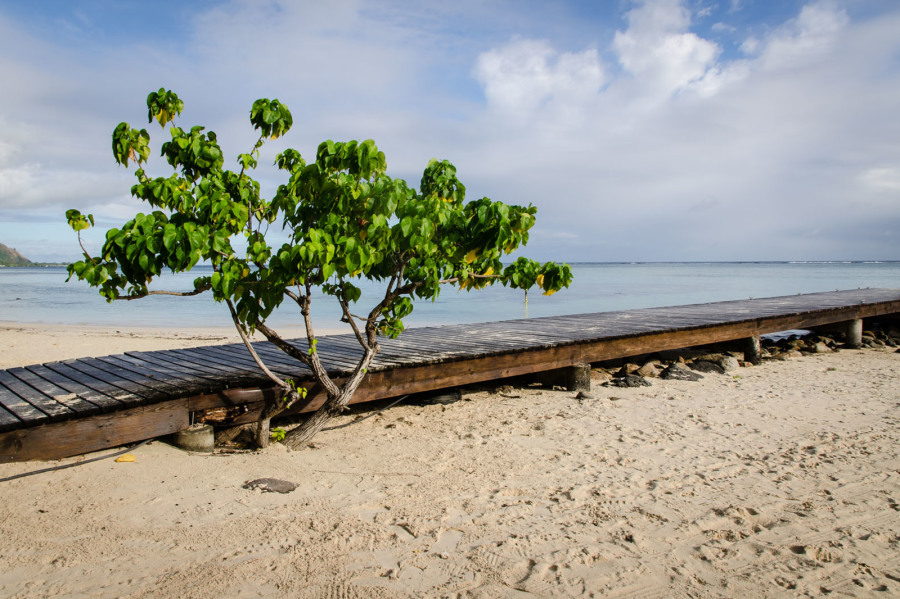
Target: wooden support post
{"x": 853, "y": 332}
{"x": 751, "y": 349}
{"x": 578, "y": 377}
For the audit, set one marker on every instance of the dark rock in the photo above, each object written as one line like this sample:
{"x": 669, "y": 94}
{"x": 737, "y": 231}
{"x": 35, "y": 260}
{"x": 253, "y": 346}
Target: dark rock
{"x": 706, "y": 366}
{"x": 648, "y": 370}
{"x": 729, "y": 363}
{"x": 270, "y": 485}
{"x": 434, "y": 398}
{"x": 631, "y": 380}
{"x": 726, "y": 361}
{"x": 600, "y": 375}
{"x": 583, "y": 395}
{"x": 679, "y": 373}
{"x": 626, "y": 370}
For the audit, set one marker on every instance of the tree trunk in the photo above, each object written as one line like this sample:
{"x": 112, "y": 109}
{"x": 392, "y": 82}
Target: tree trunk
{"x": 262, "y": 429}
{"x": 272, "y": 409}
{"x": 333, "y": 406}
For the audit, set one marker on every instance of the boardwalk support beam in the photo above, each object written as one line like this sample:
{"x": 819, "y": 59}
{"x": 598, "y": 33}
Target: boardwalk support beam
{"x": 851, "y": 329}
{"x": 752, "y": 350}
{"x": 578, "y": 377}
{"x": 574, "y": 378}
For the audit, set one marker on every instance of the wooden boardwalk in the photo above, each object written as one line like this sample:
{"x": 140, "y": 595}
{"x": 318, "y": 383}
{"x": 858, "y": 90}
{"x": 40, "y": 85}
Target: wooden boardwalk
{"x": 66, "y": 408}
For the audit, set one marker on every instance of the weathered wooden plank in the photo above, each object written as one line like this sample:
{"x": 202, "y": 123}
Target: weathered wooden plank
{"x": 104, "y": 401}
{"x": 23, "y": 410}
{"x": 186, "y": 383}
{"x": 332, "y": 358}
{"x": 8, "y": 421}
{"x": 73, "y": 437}
{"x": 195, "y": 355}
{"x": 239, "y": 361}
{"x": 218, "y": 379}
{"x": 45, "y": 404}
{"x": 270, "y": 355}
{"x": 221, "y": 357}
{"x": 126, "y": 375}
{"x": 194, "y": 360}
{"x": 179, "y": 366}
{"x": 78, "y": 405}
{"x": 127, "y": 392}
{"x": 424, "y": 378}
{"x": 228, "y": 376}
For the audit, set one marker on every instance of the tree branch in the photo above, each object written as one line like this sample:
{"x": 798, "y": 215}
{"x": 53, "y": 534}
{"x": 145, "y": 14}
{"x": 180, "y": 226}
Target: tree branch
{"x": 311, "y": 359}
{"x": 240, "y": 329}
{"x": 87, "y": 255}
{"x": 294, "y": 297}
{"x": 276, "y": 340}
{"x": 289, "y": 394}
{"x": 178, "y": 293}
{"x": 351, "y": 320}
{"x": 472, "y": 274}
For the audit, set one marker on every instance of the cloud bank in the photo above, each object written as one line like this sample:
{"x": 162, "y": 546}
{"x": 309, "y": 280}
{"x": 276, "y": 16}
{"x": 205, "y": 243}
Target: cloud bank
{"x": 661, "y": 132}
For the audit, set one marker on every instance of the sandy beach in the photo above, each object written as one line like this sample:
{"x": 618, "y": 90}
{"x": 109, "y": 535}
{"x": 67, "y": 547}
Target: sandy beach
{"x": 777, "y": 480}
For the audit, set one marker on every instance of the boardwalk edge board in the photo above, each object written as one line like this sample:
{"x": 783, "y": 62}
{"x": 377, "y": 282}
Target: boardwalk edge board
{"x": 75, "y": 406}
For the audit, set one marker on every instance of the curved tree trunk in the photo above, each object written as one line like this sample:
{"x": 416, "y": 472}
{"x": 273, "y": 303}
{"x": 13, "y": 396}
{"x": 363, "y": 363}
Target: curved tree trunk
{"x": 272, "y": 409}
{"x": 334, "y": 405}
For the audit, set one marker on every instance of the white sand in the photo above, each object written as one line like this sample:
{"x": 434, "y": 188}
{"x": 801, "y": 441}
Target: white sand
{"x": 781, "y": 481}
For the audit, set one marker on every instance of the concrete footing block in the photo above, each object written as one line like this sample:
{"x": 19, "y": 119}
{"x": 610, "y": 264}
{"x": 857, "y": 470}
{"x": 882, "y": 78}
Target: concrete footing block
{"x": 198, "y": 437}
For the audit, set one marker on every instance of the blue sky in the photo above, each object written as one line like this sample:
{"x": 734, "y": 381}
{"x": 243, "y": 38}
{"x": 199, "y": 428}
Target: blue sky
{"x": 642, "y": 130}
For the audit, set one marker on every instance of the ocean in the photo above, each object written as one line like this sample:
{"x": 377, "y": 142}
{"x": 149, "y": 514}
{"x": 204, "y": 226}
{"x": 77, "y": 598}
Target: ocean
{"x": 41, "y": 295}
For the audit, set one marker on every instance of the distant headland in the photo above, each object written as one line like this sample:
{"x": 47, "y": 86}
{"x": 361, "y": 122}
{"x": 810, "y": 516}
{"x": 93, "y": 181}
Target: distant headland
{"x": 10, "y": 257}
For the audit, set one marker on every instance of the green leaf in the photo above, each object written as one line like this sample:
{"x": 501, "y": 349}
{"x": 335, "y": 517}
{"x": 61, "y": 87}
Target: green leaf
{"x": 170, "y": 236}
{"x": 77, "y": 221}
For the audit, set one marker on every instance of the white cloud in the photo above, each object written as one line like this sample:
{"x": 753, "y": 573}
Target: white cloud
{"x": 660, "y": 53}
{"x": 808, "y": 37}
{"x": 751, "y": 46}
{"x": 723, "y": 27}
{"x": 689, "y": 155}
{"x": 524, "y": 75}
{"x": 885, "y": 179}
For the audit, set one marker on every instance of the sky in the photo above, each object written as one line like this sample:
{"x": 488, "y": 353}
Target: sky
{"x": 642, "y": 130}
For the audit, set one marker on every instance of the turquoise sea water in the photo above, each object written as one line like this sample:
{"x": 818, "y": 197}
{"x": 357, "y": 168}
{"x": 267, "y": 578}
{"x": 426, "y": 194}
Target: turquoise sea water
{"x": 41, "y": 295}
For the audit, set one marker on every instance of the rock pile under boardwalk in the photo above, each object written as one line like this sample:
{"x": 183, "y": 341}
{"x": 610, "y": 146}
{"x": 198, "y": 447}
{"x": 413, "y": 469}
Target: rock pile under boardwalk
{"x": 693, "y": 363}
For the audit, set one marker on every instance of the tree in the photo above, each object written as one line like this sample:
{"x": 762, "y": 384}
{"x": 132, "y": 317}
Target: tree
{"x": 345, "y": 220}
